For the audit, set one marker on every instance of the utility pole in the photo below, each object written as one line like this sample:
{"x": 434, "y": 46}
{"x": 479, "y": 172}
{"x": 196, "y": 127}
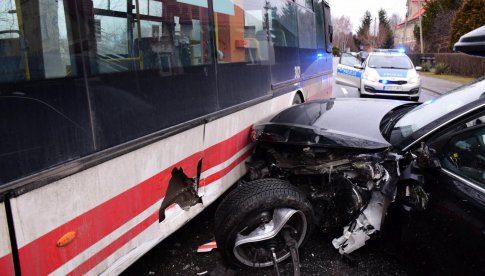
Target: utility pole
{"x": 405, "y": 23}
{"x": 375, "y": 33}
{"x": 421, "y": 28}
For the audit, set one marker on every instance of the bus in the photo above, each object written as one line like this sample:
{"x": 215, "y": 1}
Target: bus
{"x": 121, "y": 120}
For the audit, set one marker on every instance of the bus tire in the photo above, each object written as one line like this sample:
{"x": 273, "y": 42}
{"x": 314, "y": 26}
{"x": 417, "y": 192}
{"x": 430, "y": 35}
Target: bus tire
{"x": 252, "y": 206}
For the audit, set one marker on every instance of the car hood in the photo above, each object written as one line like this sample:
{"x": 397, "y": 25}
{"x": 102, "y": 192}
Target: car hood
{"x": 339, "y": 123}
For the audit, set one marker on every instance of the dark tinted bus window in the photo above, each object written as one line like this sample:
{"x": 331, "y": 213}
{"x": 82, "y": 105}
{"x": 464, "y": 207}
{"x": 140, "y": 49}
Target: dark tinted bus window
{"x": 152, "y": 66}
{"x": 242, "y": 51}
{"x": 308, "y": 43}
{"x": 38, "y": 51}
{"x": 44, "y": 116}
{"x": 283, "y": 24}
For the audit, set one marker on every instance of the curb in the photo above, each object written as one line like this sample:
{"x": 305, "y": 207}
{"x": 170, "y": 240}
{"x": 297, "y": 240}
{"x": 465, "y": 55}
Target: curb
{"x": 434, "y": 91}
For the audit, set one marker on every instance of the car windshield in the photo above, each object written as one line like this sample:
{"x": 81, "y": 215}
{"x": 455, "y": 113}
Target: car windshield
{"x": 431, "y": 110}
{"x": 394, "y": 62}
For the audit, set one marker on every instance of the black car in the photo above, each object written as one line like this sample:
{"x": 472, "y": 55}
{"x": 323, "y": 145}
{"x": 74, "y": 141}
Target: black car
{"x": 412, "y": 174}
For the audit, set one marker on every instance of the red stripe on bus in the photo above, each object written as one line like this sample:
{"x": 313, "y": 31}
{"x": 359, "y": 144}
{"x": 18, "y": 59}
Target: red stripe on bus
{"x": 114, "y": 246}
{"x": 135, "y": 231}
{"x": 218, "y": 175}
{"x": 42, "y": 256}
{"x": 221, "y": 152}
{"x": 6, "y": 266}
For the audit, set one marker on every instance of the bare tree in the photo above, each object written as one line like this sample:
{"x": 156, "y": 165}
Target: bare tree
{"x": 342, "y": 32}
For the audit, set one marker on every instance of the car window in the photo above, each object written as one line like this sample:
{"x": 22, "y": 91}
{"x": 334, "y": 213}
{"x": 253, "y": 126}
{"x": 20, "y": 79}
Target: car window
{"x": 465, "y": 154}
{"x": 393, "y": 62}
{"x": 432, "y": 110}
{"x": 349, "y": 60}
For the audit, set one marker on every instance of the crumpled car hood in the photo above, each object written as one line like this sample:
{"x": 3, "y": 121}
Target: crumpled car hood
{"x": 339, "y": 123}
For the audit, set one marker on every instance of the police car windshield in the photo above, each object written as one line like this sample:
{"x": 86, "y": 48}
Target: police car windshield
{"x": 390, "y": 62}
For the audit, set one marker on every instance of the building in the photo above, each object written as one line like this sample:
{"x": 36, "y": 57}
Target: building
{"x": 404, "y": 33}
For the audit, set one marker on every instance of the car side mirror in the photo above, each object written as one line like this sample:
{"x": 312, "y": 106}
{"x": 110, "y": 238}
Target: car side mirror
{"x": 358, "y": 66}
{"x": 419, "y": 68}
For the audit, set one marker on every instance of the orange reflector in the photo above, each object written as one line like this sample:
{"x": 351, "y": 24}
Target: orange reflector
{"x": 66, "y": 239}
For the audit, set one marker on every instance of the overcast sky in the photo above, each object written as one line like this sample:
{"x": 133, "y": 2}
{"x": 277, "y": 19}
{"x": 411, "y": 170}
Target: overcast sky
{"x": 355, "y": 9}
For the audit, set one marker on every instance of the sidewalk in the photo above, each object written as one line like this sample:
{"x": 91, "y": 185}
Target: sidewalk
{"x": 438, "y": 86}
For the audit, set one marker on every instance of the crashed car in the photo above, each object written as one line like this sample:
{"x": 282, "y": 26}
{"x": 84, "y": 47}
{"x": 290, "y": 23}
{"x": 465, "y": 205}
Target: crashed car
{"x": 342, "y": 163}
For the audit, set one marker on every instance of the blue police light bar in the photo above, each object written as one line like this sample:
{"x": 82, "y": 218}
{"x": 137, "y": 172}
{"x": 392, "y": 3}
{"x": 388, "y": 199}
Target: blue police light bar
{"x": 401, "y": 50}
{"x": 384, "y": 81}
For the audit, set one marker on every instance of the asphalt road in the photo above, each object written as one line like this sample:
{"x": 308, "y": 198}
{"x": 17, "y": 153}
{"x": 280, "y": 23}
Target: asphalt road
{"x": 431, "y": 87}
{"x": 177, "y": 254}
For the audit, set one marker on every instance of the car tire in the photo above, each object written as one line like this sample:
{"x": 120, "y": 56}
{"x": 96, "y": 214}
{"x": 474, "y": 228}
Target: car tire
{"x": 246, "y": 208}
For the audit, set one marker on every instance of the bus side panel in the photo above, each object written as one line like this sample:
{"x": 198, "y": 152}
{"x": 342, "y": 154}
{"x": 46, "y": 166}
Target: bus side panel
{"x": 318, "y": 88}
{"x": 6, "y": 261}
{"x": 219, "y": 176}
{"x": 112, "y": 208}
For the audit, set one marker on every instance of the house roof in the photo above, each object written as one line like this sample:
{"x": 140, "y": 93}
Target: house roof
{"x": 413, "y": 17}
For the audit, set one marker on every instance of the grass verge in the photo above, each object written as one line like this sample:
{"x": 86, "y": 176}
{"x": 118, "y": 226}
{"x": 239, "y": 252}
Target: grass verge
{"x": 454, "y": 78}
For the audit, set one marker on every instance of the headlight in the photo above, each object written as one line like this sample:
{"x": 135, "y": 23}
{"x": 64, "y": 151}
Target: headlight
{"x": 413, "y": 78}
{"x": 371, "y": 76}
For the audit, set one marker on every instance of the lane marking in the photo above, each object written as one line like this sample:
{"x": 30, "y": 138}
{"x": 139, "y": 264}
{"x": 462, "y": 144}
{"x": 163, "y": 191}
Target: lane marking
{"x": 345, "y": 91}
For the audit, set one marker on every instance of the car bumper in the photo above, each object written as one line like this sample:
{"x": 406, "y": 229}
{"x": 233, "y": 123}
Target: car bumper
{"x": 404, "y": 91}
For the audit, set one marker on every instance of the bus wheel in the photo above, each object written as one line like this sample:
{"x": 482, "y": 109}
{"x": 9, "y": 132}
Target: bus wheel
{"x": 254, "y": 221}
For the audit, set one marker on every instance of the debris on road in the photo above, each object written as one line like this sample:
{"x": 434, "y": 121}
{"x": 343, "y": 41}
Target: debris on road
{"x": 208, "y": 247}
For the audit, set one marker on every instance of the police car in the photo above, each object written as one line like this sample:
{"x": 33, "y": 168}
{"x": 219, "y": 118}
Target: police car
{"x": 384, "y": 73}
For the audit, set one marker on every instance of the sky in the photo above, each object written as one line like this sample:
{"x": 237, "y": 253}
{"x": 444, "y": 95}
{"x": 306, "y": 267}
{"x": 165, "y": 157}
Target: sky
{"x": 355, "y": 9}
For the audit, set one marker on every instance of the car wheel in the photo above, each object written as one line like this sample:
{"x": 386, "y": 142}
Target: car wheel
{"x": 252, "y": 221}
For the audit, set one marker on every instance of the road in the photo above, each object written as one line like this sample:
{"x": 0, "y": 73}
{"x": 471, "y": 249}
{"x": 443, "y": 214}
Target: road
{"x": 177, "y": 254}
{"x": 431, "y": 87}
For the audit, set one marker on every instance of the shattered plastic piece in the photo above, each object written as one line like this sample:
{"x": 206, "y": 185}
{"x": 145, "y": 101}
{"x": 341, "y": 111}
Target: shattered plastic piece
{"x": 368, "y": 222}
{"x": 208, "y": 247}
{"x": 202, "y": 273}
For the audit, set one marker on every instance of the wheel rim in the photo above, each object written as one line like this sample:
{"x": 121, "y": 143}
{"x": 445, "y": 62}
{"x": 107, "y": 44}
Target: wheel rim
{"x": 254, "y": 248}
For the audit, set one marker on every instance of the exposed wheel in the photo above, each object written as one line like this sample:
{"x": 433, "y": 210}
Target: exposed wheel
{"x": 251, "y": 222}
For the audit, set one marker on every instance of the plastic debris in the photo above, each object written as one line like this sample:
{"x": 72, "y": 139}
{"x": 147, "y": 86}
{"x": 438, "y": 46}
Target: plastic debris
{"x": 208, "y": 247}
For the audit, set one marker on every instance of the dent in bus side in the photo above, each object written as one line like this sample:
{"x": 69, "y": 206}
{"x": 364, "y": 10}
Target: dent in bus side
{"x": 181, "y": 190}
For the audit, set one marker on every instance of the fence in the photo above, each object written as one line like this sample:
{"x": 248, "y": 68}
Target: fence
{"x": 459, "y": 64}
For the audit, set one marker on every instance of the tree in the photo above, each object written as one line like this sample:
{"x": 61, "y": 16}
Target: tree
{"x": 385, "y": 39}
{"x": 436, "y": 22}
{"x": 394, "y": 21}
{"x": 363, "y": 37}
{"x": 469, "y": 17}
{"x": 342, "y": 32}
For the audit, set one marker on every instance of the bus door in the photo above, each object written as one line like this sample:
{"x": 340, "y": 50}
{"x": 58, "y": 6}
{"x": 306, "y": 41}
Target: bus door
{"x": 349, "y": 70}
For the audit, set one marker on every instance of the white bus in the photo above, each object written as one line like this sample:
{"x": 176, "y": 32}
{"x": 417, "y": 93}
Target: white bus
{"x": 120, "y": 120}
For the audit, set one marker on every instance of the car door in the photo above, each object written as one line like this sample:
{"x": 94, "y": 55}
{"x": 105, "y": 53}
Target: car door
{"x": 449, "y": 237}
{"x": 349, "y": 70}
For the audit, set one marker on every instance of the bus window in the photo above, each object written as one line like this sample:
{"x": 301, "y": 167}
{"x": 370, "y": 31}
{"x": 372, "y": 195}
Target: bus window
{"x": 37, "y": 51}
{"x": 44, "y": 115}
{"x": 242, "y": 51}
{"x": 153, "y": 66}
{"x": 148, "y": 35}
{"x": 240, "y": 34}
{"x": 283, "y": 27}
{"x": 309, "y": 65}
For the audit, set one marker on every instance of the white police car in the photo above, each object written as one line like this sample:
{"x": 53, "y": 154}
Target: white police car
{"x": 384, "y": 73}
